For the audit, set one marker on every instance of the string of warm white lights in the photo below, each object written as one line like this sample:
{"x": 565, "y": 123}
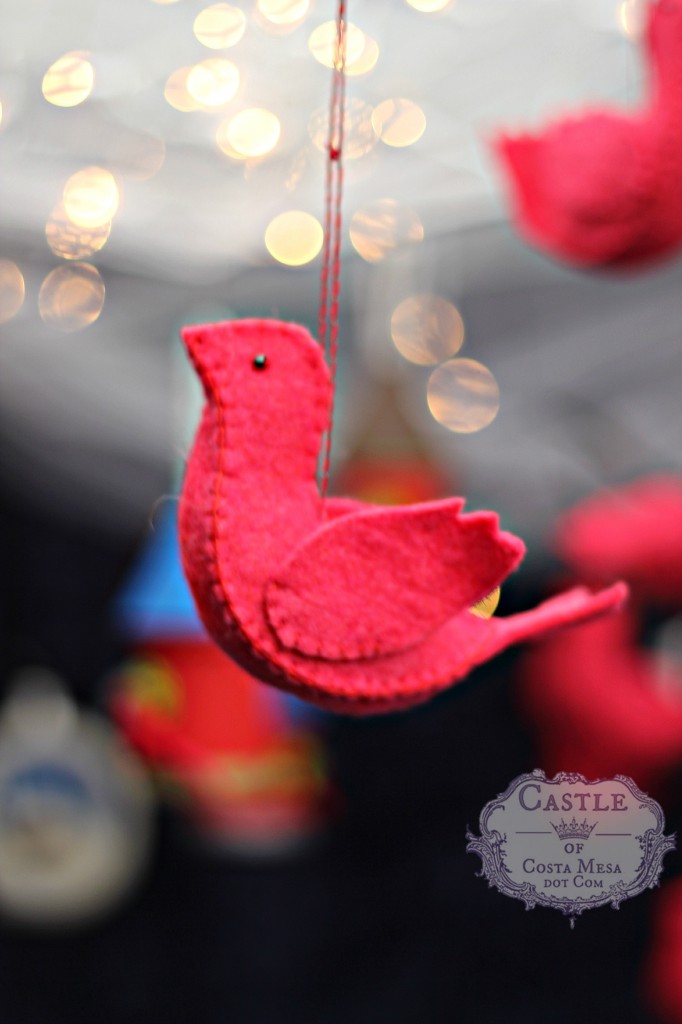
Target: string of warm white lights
{"x": 232, "y": 107}
{"x": 81, "y": 221}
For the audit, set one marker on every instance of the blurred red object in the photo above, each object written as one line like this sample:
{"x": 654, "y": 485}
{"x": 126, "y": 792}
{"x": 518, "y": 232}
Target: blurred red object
{"x": 634, "y": 532}
{"x": 253, "y": 777}
{"x": 395, "y": 480}
{"x": 601, "y": 703}
{"x": 662, "y": 973}
{"x": 601, "y": 190}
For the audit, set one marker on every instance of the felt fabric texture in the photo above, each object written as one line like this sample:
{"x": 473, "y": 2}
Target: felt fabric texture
{"x": 633, "y": 531}
{"x": 601, "y": 189}
{"x": 381, "y": 581}
{"x": 252, "y": 524}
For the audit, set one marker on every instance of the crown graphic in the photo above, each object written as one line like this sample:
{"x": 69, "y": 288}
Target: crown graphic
{"x": 573, "y": 830}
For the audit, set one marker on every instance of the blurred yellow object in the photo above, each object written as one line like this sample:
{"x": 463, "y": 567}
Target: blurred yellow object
{"x": 253, "y": 132}
{"x": 463, "y": 395}
{"x": 427, "y": 329}
{"x": 213, "y": 82}
{"x": 294, "y": 238}
{"x": 12, "y": 290}
{"x": 69, "y": 240}
{"x": 91, "y": 197}
{"x": 176, "y": 92}
{"x": 399, "y": 122}
{"x": 323, "y": 45}
{"x": 429, "y": 6}
{"x": 71, "y": 297}
{"x": 284, "y": 12}
{"x": 69, "y": 81}
{"x": 220, "y": 26}
{"x": 485, "y": 609}
{"x": 382, "y": 227}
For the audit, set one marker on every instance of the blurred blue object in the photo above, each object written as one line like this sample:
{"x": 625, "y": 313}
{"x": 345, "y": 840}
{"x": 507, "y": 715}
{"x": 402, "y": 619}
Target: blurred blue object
{"x": 156, "y": 601}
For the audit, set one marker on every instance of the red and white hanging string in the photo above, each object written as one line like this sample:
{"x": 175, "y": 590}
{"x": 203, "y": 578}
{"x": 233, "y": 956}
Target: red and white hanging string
{"x": 330, "y": 278}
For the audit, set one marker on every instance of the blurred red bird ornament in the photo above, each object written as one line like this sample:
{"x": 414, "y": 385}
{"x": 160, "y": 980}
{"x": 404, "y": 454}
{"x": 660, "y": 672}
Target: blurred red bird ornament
{"x": 602, "y": 189}
{"x": 603, "y": 705}
{"x": 602, "y": 702}
{"x": 357, "y": 608}
{"x": 633, "y": 531}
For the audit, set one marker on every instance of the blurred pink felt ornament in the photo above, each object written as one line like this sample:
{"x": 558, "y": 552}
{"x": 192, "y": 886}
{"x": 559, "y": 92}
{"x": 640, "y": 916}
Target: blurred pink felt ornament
{"x": 634, "y": 531}
{"x": 602, "y": 702}
{"x": 601, "y": 189}
{"x": 358, "y": 608}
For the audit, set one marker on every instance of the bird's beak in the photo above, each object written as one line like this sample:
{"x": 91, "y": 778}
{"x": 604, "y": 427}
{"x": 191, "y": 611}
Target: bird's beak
{"x": 192, "y": 339}
{"x": 196, "y": 339}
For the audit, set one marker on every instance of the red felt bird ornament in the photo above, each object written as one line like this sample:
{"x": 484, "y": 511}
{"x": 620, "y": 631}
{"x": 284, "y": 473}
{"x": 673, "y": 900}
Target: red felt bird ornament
{"x": 602, "y": 189}
{"x": 354, "y": 607}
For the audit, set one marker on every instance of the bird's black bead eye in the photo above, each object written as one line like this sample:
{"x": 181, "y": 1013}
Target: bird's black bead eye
{"x": 260, "y": 362}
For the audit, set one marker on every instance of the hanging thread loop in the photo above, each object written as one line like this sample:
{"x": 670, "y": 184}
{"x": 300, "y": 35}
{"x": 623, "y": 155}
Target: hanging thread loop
{"x": 330, "y": 277}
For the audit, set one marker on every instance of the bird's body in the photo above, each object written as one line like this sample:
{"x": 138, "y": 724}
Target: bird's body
{"x": 602, "y": 189}
{"x": 357, "y": 608}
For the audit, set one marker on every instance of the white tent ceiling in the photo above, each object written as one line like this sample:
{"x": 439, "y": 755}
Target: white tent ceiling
{"x": 588, "y": 366}
{"x": 476, "y": 66}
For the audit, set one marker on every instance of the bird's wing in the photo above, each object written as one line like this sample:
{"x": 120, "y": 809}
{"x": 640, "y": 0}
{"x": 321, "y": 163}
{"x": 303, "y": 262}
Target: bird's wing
{"x": 380, "y": 580}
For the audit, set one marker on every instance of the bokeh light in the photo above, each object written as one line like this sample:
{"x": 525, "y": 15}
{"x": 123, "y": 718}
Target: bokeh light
{"x": 429, "y": 6}
{"x": 91, "y": 197}
{"x": 463, "y": 395}
{"x": 399, "y": 122}
{"x": 427, "y": 329}
{"x": 486, "y": 608}
{"x": 380, "y": 228}
{"x": 176, "y": 92}
{"x": 294, "y": 238}
{"x": 282, "y": 15}
{"x": 12, "y": 290}
{"x": 224, "y": 144}
{"x": 359, "y": 136}
{"x": 367, "y": 60}
{"x": 631, "y": 18}
{"x": 71, "y": 241}
{"x": 69, "y": 81}
{"x": 71, "y": 297}
{"x": 251, "y": 133}
{"x": 213, "y": 82}
{"x": 323, "y": 44}
{"x": 219, "y": 26}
